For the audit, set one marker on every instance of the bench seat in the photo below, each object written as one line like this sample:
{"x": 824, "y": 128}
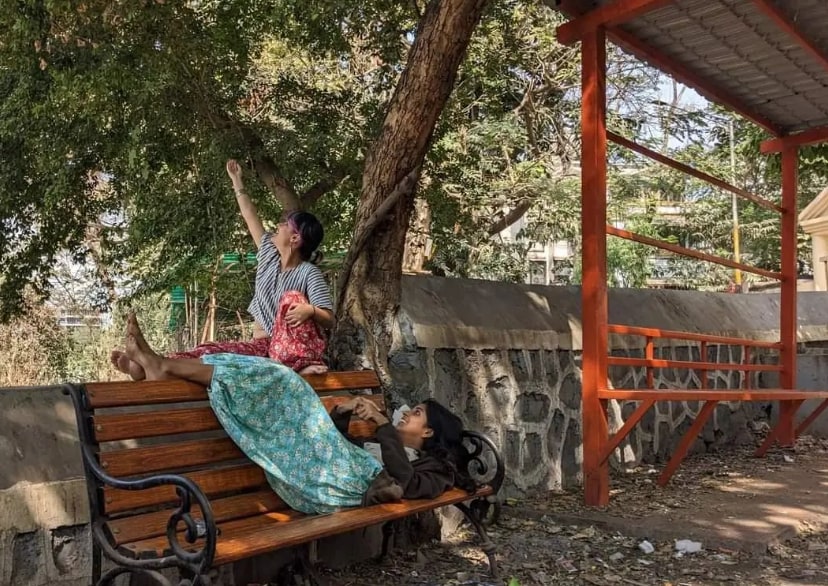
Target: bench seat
{"x": 260, "y": 533}
{"x": 169, "y": 488}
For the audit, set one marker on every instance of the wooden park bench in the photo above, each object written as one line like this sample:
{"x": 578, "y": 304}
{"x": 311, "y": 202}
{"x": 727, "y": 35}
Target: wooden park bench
{"x": 184, "y": 496}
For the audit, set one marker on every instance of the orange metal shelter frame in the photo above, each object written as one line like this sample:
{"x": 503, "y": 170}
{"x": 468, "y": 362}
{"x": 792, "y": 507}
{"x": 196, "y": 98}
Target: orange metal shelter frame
{"x": 592, "y": 29}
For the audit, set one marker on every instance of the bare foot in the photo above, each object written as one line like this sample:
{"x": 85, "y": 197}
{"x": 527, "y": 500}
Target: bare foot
{"x": 122, "y": 363}
{"x": 133, "y": 329}
{"x": 114, "y": 358}
{"x": 314, "y": 369}
{"x": 139, "y": 351}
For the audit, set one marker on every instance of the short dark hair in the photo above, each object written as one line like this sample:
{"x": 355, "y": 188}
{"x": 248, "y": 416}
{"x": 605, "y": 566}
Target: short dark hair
{"x": 447, "y": 442}
{"x": 311, "y": 234}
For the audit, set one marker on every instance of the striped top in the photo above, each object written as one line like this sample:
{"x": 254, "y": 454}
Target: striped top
{"x": 272, "y": 283}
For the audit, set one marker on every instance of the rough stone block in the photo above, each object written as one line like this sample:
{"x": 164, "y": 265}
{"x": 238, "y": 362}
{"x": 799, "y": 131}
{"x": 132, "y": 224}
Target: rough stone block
{"x": 570, "y": 391}
{"x": 500, "y": 391}
{"x": 555, "y": 434}
{"x": 519, "y": 361}
{"x": 6, "y": 540}
{"x": 511, "y": 451}
{"x": 572, "y": 455}
{"x": 532, "y": 408}
{"x": 447, "y": 373}
{"x": 407, "y": 370}
{"x": 70, "y": 552}
{"x": 28, "y": 559}
{"x": 533, "y": 451}
{"x": 552, "y": 367}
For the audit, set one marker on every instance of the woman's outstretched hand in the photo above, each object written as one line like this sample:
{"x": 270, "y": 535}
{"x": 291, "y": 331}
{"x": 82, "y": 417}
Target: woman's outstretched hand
{"x": 364, "y": 409}
{"x": 368, "y": 411}
{"x": 234, "y": 170}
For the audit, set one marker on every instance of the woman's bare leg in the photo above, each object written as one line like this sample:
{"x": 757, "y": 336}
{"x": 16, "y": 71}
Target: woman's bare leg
{"x": 160, "y": 368}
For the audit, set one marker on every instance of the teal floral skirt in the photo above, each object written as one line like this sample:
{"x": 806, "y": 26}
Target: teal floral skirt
{"x": 277, "y": 419}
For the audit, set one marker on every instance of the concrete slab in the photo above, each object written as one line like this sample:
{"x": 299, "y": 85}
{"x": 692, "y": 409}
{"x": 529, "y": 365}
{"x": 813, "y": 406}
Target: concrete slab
{"x": 746, "y": 514}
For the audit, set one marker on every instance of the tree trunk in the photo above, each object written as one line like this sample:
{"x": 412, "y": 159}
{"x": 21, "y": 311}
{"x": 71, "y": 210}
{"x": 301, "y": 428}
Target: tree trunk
{"x": 371, "y": 295}
{"x": 418, "y": 240}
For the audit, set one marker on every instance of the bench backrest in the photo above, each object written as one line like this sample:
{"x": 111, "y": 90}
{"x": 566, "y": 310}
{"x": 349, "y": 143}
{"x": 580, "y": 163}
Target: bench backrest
{"x": 137, "y": 429}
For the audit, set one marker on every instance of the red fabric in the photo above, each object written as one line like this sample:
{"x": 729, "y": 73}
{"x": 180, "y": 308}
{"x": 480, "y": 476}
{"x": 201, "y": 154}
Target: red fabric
{"x": 300, "y": 346}
{"x": 295, "y": 347}
{"x": 254, "y": 347}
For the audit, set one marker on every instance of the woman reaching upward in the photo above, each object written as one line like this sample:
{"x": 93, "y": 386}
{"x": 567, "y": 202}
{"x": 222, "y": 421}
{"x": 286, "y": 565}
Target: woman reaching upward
{"x": 291, "y": 303}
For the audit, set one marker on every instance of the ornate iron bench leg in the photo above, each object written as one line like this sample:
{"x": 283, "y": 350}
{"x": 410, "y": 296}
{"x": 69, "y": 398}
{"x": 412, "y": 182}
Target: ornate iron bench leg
{"x": 190, "y": 578}
{"x": 486, "y": 544}
{"x": 387, "y": 534}
{"x": 96, "y": 561}
{"x": 308, "y": 568}
{"x": 108, "y": 578}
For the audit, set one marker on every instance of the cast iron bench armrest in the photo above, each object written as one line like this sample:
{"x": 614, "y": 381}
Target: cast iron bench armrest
{"x": 187, "y": 491}
{"x": 481, "y": 449}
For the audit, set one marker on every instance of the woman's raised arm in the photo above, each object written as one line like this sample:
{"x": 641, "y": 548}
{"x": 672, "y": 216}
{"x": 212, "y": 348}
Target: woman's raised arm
{"x": 246, "y": 206}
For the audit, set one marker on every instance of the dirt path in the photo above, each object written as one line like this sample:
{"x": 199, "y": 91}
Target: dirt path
{"x": 553, "y": 539}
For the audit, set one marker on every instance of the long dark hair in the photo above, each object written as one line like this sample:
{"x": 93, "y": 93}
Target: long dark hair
{"x": 311, "y": 234}
{"x": 447, "y": 443}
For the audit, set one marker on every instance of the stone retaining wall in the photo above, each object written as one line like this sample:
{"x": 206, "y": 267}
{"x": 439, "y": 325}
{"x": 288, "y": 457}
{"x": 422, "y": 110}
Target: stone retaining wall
{"x": 508, "y": 358}
{"x": 505, "y": 356}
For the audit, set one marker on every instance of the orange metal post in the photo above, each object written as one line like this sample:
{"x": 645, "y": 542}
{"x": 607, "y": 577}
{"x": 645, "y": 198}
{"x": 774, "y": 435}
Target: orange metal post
{"x": 703, "y": 358}
{"x": 747, "y": 372}
{"x": 791, "y": 406}
{"x": 609, "y": 14}
{"x": 688, "y": 170}
{"x": 805, "y": 138}
{"x": 708, "y": 338}
{"x": 594, "y": 260}
{"x": 676, "y": 249}
{"x": 649, "y": 354}
{"x": 625, "y": 430}
{"x": 687, "y": 442}
{"x": 787, "y": 309}
{"x": 811, "y": 418}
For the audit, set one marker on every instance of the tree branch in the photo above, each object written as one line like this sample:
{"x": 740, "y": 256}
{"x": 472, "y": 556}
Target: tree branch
{"x": 404, "y": 187}
{"x": 510, "y": 218}
{"x": 320, "y": 188}
{"x": 417, "y": 12}
{"x": 264, "y": 165}
{"x": 268, "y": 171}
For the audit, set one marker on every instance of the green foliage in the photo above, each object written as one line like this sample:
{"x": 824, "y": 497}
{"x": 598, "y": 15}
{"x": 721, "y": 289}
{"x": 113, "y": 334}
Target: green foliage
{"x": 33, "y": 349}
{"x": 121, "y": 116}
{"x": 116, "y": 120}
{"x": 508, "y": 145}
{"x": 90, "y": 347}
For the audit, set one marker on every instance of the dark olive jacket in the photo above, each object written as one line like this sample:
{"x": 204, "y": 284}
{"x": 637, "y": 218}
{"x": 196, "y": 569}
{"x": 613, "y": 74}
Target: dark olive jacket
{"x": 426, "y": 477}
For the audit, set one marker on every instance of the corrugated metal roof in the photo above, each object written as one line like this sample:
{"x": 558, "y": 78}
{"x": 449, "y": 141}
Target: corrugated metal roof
{"x": 739, "y": 52}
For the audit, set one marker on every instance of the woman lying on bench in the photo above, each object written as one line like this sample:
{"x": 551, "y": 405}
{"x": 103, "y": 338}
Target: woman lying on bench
{"x": 277, "y": 419}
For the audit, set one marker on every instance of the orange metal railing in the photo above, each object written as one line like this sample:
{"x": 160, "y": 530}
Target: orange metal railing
{"x": 651, "y": 363}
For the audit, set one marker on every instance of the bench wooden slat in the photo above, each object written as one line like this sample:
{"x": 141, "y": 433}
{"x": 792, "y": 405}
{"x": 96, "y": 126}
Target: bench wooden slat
{"x": 121, "y": 426}
{"x": 212, "y": 482}
{"x": 174, "y": 456}
{"x": 239, "y": 506}
{"x": 347, "y": 380}
{"x": 252, "y": 536}
{"x": 153, "y": 423}
{"x": 131, "y": 393}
